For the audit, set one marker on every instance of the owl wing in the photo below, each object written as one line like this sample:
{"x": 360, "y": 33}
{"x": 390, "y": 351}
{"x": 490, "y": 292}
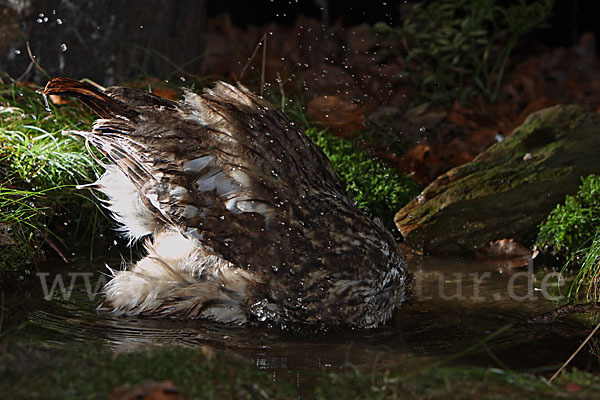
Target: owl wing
{"x": 224, "y": 167}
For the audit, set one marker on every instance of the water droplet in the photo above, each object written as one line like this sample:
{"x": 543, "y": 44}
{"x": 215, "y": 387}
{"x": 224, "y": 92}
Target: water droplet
{"x": 63, "y": 47}
{"x": 46, "y": 103}
{"x": 422, "y": 129}
{"x": 58, "y": 21}
{"x": 17, "y": 51}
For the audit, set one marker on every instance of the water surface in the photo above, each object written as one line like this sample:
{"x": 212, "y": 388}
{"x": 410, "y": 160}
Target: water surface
{"x": 457, "y": 303}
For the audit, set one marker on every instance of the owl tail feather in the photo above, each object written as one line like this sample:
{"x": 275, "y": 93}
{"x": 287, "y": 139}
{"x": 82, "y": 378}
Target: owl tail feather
{"x": 161, "y": 285}
{"x": 103, "y": 105}
{"x": 141, "y": 293}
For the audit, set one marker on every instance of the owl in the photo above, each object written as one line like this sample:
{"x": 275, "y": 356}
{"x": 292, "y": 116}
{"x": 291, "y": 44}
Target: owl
{"x": 243, "y": 217}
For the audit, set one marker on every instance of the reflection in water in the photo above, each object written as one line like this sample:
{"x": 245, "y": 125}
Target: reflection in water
{"x": 452, "y": 310}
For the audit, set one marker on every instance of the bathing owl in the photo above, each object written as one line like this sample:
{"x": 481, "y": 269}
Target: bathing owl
{"x": 243, "y": 217}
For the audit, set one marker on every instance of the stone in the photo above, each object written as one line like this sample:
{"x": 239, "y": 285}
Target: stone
{"x": 508, "y": 189}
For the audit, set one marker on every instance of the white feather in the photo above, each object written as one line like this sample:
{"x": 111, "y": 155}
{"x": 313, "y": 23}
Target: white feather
{"x": 134, "y": 219}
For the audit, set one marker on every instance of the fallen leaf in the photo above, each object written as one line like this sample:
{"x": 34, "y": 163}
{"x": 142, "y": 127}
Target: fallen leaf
{"x": 208, "y": 352}
{"x": 419, "y": 161}
{"x": 360, "y": 38}
{"x": 573, "y": 387}
{"x": 330, "y": 79}
{"x": 506, "y": 254}
{"x": 481, "y": 139}
{"x": 461, "y": 116}
{"x": 423, "y": 117}
{"x": 535, "y": 105}
{"x": 506, "y": 248}
{"x": 56, "y": 99}
{"x": 148, "y": 391}
{"x": 167, "y": 93}
{"x": 341, "y": 116}
{"x": 416, "y": 111}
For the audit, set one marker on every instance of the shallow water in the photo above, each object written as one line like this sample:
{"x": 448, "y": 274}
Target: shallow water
{"x": 437, "y": 326}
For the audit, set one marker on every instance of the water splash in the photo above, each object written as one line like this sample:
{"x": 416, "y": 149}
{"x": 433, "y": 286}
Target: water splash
{"x": 47, "y": 108}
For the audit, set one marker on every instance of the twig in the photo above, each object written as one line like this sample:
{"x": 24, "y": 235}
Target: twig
{"x": 198, "y": 78}
{"x": 262, "y": 69}
{"x": 261, "y": 41}
{"x": 33, "y": 60}
{"x": 1, "y": 310}
{"x": 94, "y": 84}
{"x": 587, "y": 339}
{"x": 282, "y": 92}
{"x": 54, "y": 247}
{"x": 24, "y": 74}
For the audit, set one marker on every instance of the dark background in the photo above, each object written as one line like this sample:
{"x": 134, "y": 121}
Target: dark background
{"x": 571, "y": 17}
{"x": 112, "y": 40}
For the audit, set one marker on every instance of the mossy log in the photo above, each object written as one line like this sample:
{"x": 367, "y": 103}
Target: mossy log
{"x": 507, "y": 190}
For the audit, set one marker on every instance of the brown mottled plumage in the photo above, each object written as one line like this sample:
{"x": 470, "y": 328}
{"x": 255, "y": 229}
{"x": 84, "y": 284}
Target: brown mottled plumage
{"x": 245, "y": 216}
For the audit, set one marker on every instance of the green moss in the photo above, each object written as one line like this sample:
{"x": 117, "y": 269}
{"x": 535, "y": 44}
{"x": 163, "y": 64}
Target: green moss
{"x": 572, "y": 226}
{"x": 42, "y": 374}
{"x": 571, "y": 230}
{"x": 94, "y": 374}
{"x": 375, "y": 187}
{"x": 12, "y": 256}
{"x": 507, "y": 190}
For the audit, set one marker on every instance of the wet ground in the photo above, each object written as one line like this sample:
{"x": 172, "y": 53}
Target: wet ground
{"x": 463, "y": 312}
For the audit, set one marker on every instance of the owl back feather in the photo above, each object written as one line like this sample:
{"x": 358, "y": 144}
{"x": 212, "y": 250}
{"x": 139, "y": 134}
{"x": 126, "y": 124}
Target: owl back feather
{"x": 239, "y": 185}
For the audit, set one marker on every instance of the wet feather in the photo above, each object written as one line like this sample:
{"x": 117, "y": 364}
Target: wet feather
{"x": 244, "y": 217}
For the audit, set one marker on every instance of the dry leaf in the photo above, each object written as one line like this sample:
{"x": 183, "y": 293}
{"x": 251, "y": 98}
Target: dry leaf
{"x": 360, "y": 38}
{"x": 506, "y": 248}
{"x": 572, "y": 386}
{"x": 148, "y": 391}
{"x": 506, "y": 253}
{"x": 165, "y": 92}
{"x": 422, "y": 117}
{"x": 342, "y": 117}
{"x": 418, "y": 162}
{"x": 56, "y": 99}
